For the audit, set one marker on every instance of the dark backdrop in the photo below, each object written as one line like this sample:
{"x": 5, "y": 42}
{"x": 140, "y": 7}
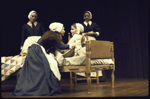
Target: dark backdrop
{"x": 124, "y": 22}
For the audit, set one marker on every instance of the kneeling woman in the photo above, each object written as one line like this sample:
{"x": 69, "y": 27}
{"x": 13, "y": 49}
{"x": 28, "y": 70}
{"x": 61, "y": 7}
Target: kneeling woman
{"x": 40, "y": 74}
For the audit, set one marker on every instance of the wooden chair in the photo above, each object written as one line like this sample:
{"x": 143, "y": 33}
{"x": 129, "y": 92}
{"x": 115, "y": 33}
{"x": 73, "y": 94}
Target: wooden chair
{"x": 95, "y": 49}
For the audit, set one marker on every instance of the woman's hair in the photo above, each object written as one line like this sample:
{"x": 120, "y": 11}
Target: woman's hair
{"x": 74, "y": 25}
{"x": 51, "y": 36}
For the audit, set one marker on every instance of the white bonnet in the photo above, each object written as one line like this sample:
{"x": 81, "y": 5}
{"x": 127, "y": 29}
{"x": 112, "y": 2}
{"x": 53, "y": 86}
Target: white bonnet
{"x": 80, "y": 28}
{"x": 56, "y": 27}
{"x": 89, "y": 13}
{"x": 30, "y": 13}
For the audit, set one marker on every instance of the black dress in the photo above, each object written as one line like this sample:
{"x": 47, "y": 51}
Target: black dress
{"x": 93, "y": 27}
{"x": 27, "y": 31}
{"x": 36, "y": 78}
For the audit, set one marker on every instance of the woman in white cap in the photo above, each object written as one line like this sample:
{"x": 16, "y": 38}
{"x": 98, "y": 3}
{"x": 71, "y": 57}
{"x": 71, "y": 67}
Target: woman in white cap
{"x": 90, "y": 28}
{"x": 31, "y": 32}
{"x": 77, "y": 56}
{"x": 77, "y": 30}
{"x": 40, "y": 74}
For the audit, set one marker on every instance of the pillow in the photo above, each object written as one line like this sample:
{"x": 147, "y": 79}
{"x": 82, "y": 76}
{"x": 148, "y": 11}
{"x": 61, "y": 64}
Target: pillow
{"x": 102, "y": 62}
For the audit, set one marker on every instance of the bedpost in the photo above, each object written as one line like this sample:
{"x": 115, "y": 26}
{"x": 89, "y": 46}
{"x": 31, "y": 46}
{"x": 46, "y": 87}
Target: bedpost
{"x": 113, "y": 70}
{"x": 88, "y": 65}
{"x": 69, "y": 36}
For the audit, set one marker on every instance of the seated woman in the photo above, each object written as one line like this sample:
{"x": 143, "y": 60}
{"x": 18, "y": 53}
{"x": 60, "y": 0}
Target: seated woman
{"x": 79, "y": 52}
{"x": 40, "y": 74}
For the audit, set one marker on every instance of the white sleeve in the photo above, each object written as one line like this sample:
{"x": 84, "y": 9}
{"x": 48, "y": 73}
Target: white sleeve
{"x": 97, "y": 33}
{"x": 70, "y": 46}
{"x": 83, "y": 33}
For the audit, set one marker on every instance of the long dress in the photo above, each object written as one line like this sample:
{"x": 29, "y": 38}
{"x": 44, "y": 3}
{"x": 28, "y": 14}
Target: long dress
{"x": 38, "y": 75}
{"x": 10, "y": 64}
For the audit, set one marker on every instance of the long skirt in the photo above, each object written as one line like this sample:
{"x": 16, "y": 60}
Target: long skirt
{"x": 36, "y": 78}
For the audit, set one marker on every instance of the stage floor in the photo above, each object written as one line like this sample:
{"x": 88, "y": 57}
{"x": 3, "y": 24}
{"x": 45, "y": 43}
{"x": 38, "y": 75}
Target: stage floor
{"x": 123, "y": 88}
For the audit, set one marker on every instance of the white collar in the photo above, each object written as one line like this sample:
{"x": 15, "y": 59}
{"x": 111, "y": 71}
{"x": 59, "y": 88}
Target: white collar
{"x": 85, "y": 22}
{"x": 30, "y": 23}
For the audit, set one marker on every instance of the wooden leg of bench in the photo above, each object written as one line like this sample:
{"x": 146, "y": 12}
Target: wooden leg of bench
{"x": 112, "y": 79}
{"x": 89, "y": 83}
{"x": 97, "y": 78}
{"x": 75, "y": 79}
{"x": 71, "y": 78}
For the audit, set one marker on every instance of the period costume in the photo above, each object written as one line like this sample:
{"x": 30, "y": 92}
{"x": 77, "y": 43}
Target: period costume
{"x": 31, "y": 33}
{"x": 31, "y": 29}
{"x": 79, "y": 51}
{"x": 40, "y": 73}
{"x": 28, "y": 30}
{"x": 91, "y": 26}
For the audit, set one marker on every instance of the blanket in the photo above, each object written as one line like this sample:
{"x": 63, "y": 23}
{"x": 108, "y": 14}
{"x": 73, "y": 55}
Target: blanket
{"x": 10, "y": 64}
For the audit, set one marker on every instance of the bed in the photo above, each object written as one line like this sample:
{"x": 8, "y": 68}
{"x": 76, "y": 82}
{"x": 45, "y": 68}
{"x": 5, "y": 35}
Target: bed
{"x": 99, "y": 56}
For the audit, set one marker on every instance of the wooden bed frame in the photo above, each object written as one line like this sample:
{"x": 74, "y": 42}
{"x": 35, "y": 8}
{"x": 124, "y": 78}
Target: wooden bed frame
{"x": 95, "y": 49}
